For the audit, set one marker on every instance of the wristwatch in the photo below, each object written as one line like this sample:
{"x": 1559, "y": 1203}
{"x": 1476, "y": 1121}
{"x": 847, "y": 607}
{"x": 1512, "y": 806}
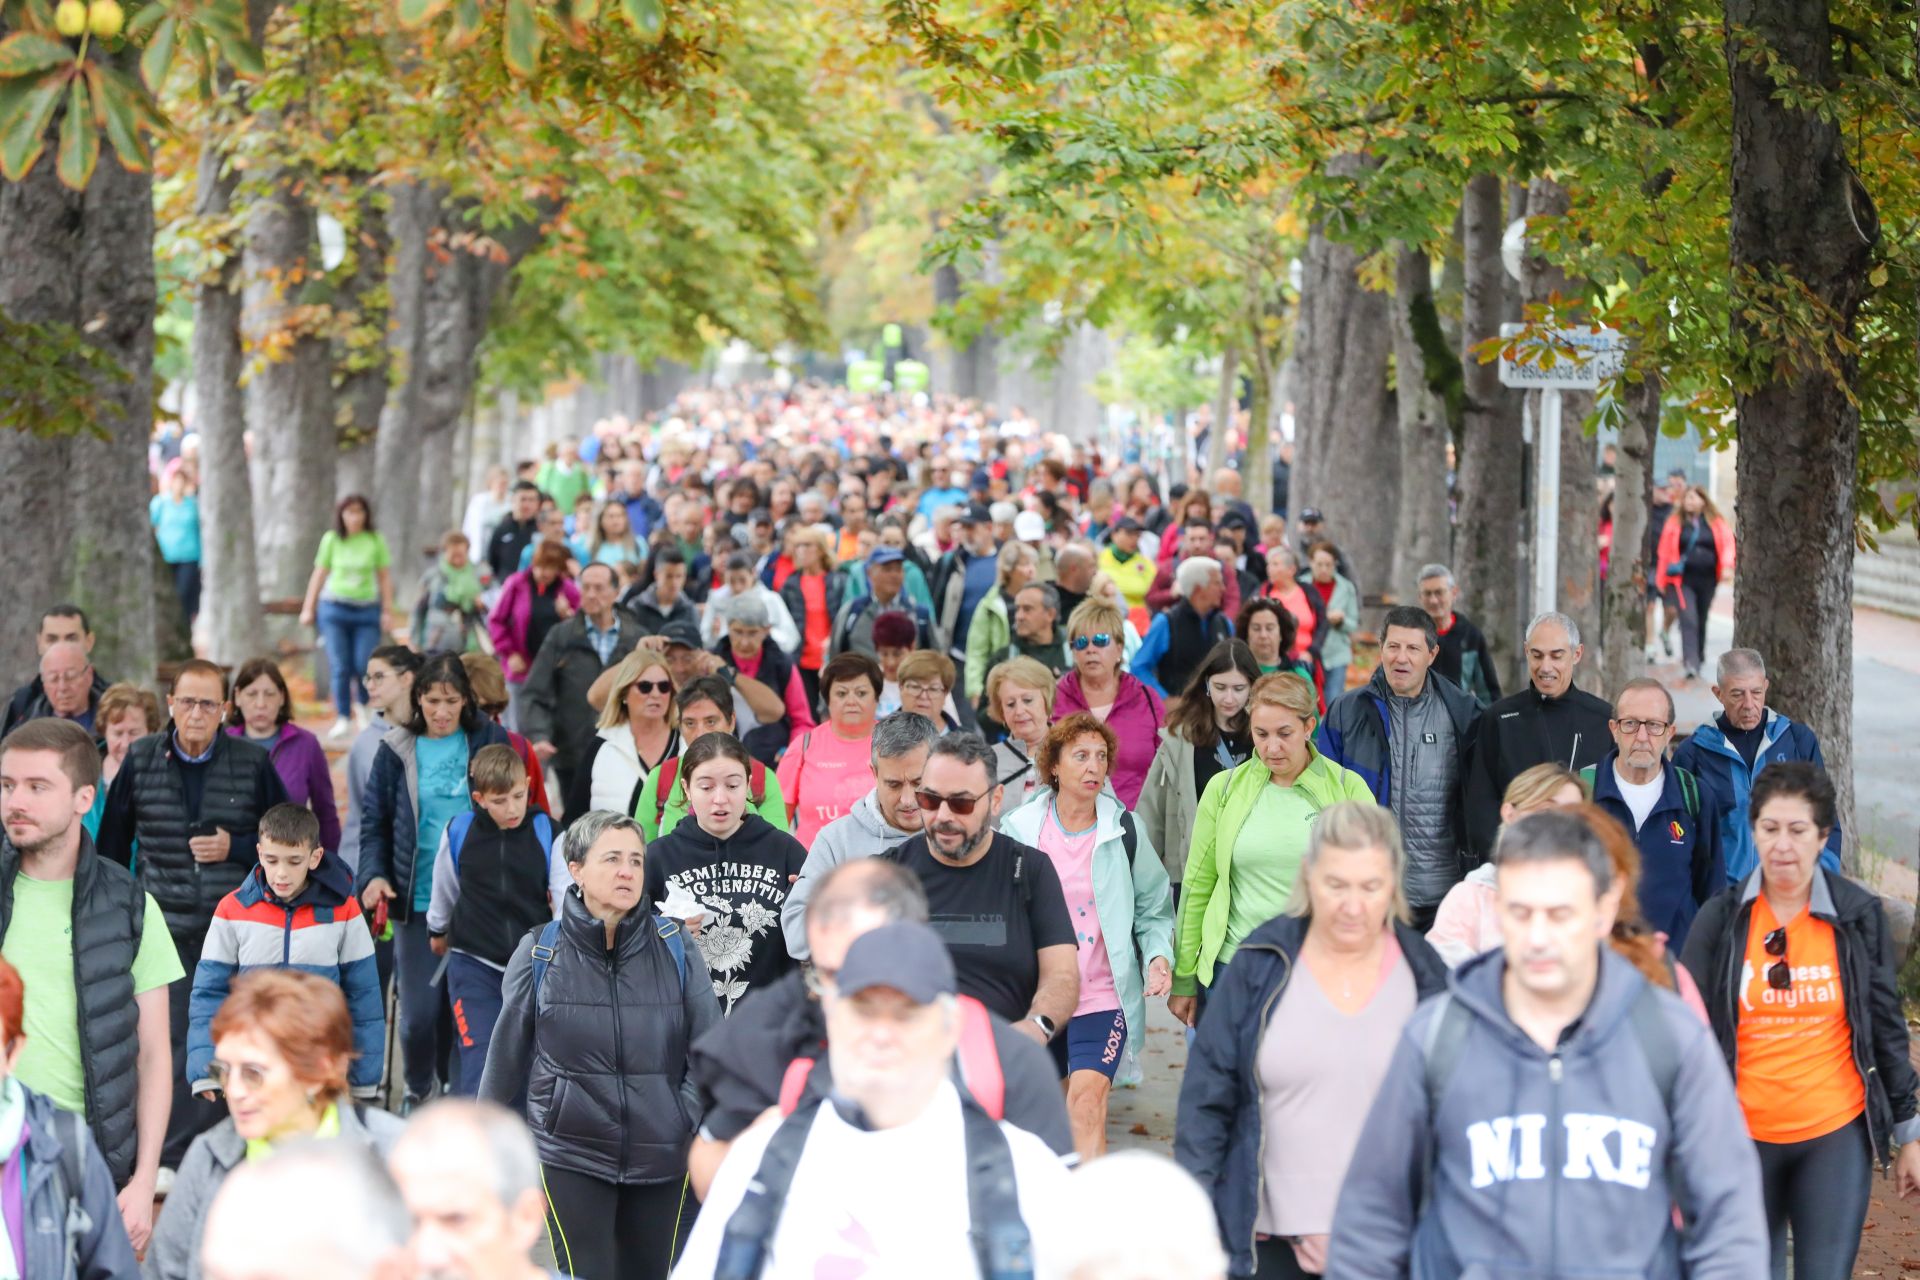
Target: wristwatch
{"x": 1046, "y": 1025}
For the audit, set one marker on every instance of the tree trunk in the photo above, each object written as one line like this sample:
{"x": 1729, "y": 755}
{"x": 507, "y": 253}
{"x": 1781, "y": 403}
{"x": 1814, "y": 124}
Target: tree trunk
{"x": 83, "y": 260}
{"x": 290, "y": 393}
{"x": 1347, "y": 451}
{"x": 1486, "y": 559}
{"x": 1623, "y": 639}
{"x": 361, "y": 367}
{"x": 1800, "y": 217}
{"x": 1226, "y": 401}
{"x": 412, "y": 220}
{"x": 1263, "y": 406}
{"x": 1421, "y": 535}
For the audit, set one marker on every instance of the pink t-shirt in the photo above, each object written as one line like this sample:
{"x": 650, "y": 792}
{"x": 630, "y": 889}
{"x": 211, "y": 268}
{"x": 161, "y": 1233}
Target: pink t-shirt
{"x": 822, "y": 776}
{"x": 1072, "y": 856}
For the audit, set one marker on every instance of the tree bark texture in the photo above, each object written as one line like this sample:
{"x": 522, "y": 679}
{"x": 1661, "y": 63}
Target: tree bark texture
{"x": 1624, "y": 634}
{"x": 1346, "y": 443}
{"x": 1486, "y": 554}
{"x": 79, "y": 506}
{"x": 411, "y": 220}
{"x": 1226, "y": 402}
{"x": 1421, "y": 534}
{"x": 1800, "y": 217}
{"x": 1263, "y": 407}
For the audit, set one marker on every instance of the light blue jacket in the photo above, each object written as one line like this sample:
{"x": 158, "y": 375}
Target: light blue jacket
{"x": 1133, "y": 900}
{"x": 1712, "y": 759}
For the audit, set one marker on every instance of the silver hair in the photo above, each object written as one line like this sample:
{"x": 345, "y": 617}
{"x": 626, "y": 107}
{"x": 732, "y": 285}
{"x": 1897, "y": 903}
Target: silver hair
{"x": 901, "y": 733}
{"x": 1194, "y": 572}
{"x": 345, "y": 1176}
{"x": 1739, "y": 662}
{"x": 878, "y": 883}
{"x": 515, "y": 1163}
{"x": 1435, "y": 571}
{"x": 1049, "y": 596}
{"x": 590, "y": 826}
{"x": 1571, "y": 627}
{"x": 1351, "y": 824}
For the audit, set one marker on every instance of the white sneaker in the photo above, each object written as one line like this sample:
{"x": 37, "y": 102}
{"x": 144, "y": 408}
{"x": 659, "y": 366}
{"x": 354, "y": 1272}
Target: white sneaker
{"x": 342, "y": 728}
{"x": 162, "y": 1183}
{"x": 360, "y": 716}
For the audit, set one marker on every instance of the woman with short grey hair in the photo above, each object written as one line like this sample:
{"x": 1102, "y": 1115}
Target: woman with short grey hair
{"x": 1299, "y": 1032}
{"x": 598, "y": 1009}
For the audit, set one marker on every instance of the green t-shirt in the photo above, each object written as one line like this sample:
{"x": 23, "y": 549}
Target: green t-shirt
{"x": 1266, "y": 859}
{"x": 39, "y": 943}
{"x": 353, "y": 566}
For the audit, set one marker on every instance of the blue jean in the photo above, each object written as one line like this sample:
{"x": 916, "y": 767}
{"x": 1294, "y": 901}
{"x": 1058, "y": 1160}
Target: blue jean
{"x": 351, "y": 633}
{"x": 474, "y": 989}
{"x": 186, "y": 585}
{"x": 414, "y": 965}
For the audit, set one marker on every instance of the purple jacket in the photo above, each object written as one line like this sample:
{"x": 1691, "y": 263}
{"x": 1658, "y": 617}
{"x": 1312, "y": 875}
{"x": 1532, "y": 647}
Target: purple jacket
{"x": 513, "y": 614}
{"x": 1135, "y": 719}
{"x": 301, "y": 762}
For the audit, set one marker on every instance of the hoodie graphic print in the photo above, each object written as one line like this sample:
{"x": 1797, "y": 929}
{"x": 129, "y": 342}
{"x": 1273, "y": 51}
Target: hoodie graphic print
{"x": 741, "y": 882}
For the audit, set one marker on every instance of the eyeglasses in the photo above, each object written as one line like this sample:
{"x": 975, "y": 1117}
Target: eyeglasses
{"x": 1099, "y": 641}
{"x": 652, "y": 686}
{"x": 921, "y": 689}
{"x": 930, "y": 802}
{"x": 252, "y": 1074}
{"x": 65, "y": 678}
{"x": 1654, "y": 728}
{"x": 1779, "y": 973}
{"x": 205, "y": 706}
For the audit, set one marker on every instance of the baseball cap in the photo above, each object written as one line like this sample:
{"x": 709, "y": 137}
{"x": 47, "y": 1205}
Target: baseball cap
{"x": 1310, "y": 516}
{"x": 680, "y": 631}
{"x": 1029, "y": 527}
{"x": 749, "y": 611}
{"x": 1003, "y": 512}
{"x": 1125, "y": 524}
{"x": 904, "y": 956}
{"x": 884, "y": 555}
{"x": 974, "y": 513}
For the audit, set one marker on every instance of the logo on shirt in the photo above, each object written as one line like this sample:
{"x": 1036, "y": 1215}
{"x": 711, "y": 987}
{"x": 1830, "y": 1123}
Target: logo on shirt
{"x": 1430, "y": 739}
{"x": 1679, "y": 832}
{"x": 1591, "y": 1144}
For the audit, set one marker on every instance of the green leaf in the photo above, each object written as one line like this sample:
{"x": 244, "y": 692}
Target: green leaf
{"x": 145, "y": 19}
{"x": 79, "y": 139}
{"x": 417, "y": 13}
{"x": 242, "y": 54}
{"x": 25, "y": 108}
{"x": 521, "y": 45}
{"x": 25, "y": 53}
{"x": 466, "y": 17}
{"x": 648, "y": 17}
{"x": 116, "y": 104}
{"x": 157, "y": 58}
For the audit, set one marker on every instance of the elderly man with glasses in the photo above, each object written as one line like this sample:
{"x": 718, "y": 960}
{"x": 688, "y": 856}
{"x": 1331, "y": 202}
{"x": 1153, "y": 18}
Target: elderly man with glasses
{"x": 1674, "y": 819}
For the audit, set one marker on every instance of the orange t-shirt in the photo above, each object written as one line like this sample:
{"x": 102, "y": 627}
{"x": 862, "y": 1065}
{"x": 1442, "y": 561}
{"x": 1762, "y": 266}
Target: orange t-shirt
{"x": 818, "y": 626}
{"x": 1794, "y": 1068}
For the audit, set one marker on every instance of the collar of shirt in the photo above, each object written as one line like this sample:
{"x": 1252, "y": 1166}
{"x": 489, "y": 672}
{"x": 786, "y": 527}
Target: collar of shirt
{"x": 202, "y": 758}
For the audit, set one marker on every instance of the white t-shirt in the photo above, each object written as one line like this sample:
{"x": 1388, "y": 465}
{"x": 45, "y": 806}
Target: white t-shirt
{"x": 1640, "y": 796}
{"x": 890, "y": 1202}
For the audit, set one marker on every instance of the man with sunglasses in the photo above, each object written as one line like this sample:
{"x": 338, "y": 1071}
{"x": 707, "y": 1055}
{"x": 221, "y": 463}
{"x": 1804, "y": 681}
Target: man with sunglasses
{"x": 997, "y": 902}
{"x": 1674, "y": 820}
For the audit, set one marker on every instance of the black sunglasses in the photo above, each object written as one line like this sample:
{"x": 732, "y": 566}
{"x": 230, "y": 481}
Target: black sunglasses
{"x": 654, "y": 686}
{"x": 930, "y": 801}
{"x": 1779, "y": 973}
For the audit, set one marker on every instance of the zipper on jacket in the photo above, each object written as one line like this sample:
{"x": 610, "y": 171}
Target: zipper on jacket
{"x": 286, "y": 935}
{"x": 1260, "y": 1102}
{"x": 1557, "y": 1159}
{"x": 619, "y": 1049}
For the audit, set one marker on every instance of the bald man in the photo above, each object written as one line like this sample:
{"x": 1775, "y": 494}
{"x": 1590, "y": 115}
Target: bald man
{"x": 251, "y": 1235}
{"x": 64, "y": 624}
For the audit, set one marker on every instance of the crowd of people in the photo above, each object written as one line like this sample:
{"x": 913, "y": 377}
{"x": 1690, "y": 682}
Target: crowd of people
{"x": 769, "y": 824}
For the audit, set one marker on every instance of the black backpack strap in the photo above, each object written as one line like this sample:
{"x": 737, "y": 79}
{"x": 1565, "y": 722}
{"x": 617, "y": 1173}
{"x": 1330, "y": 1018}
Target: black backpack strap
{"x": 1002, "y": 1245}
{"x": 1129, "y": 836}
{"x": 1662, "y": 1052}
{"x": 743, "y": 1246}
{"x": 1446, "y": 1034}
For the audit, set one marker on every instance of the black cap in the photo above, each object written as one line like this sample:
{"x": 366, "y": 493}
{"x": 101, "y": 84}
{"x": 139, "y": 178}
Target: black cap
{"x": 904, "y": 956}
{"x": 974, "y": 513}
{"x": 1310, "y": 516}
{"x": 1125, "y": 524}
{"x": 680, "y": 631}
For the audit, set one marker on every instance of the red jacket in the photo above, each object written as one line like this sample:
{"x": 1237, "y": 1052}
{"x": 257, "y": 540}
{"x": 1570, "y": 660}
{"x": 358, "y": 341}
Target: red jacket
{"x": 1669, "y": 552}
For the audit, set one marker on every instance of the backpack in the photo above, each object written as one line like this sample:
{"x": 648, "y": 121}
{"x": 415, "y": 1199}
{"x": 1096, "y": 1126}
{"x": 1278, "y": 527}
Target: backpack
{"x": 669, "y": 773}
{"x": 543, "y": 950}
{"x": 978, "y": 1058}
{"x": 1689, "y": 787}
{"x": 73, "y": 1138}
{"x": 463, "y": 823}
{"x": 1129, "y": 840}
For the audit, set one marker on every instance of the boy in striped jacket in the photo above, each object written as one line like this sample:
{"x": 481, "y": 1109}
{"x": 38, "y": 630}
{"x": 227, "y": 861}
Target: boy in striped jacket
{"x": 297, "y": 910}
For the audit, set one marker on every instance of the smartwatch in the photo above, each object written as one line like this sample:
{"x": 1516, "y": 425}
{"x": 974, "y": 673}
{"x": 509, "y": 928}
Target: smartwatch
{"x": 1046, "y": 1025}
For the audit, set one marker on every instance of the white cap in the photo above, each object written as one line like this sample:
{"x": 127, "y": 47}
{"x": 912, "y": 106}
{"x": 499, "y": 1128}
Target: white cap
{"x": 1029, "y": 527}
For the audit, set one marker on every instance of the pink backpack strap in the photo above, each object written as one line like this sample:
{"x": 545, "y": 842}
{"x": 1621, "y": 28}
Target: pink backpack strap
{"x": 980, "y": 1059}
{"x": 793, "y": 1084}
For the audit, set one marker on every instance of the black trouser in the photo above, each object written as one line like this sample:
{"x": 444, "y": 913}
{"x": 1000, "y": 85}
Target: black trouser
{"x": 1420, "y": 918}
{"x": 191, "y": 1116}
{"x": 1696, "y": 591}
{"x": 610, "y": 1231}
{"x": 1818, "y": 1188}
{"x": 1273, "y": 1260}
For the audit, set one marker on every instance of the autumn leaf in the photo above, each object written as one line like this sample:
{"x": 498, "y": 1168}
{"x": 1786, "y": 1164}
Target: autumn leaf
{"x": 25, "y": 108}
{"x": 79, "y": 139}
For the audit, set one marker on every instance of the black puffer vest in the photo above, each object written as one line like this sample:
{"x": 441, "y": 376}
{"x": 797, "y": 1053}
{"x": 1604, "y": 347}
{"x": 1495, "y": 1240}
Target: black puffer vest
{"x": 188, "y": 891}
{"x": 1189, "y": 639}
{"x": 108, "y": 910}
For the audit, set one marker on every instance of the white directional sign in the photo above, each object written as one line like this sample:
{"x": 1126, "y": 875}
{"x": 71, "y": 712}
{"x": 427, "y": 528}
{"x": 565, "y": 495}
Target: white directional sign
{"x": 1573, "y": 359}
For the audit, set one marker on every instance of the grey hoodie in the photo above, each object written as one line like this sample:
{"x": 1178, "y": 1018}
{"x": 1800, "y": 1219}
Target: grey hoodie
{"x": 1551, "y": 1165}
{"x": 859, "y": 833}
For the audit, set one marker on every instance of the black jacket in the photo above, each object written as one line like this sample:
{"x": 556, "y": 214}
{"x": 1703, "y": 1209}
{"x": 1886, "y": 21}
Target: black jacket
{"x": 1190, "y": 638}
{"x": 1716, "y": 951}
{"x": 743, "y": 882}
{"x": 1217, "y": 1136}
{"x": 1464, "y": 659}
{"x": 740, "y": 1064}
{"x": 151, "y": 801}
{"x": 1519, "y": 731}
{"x": 29, "y": 702}
{"x": 503, "y": 885}
{"x": 554, "y": 698}
{"x": 510, "y": 538}
{"x": 109, "y": 911}
{"x": 766, "y": 741}
{"x": 601, "y": 1048}
{"x": 796, "y": 602}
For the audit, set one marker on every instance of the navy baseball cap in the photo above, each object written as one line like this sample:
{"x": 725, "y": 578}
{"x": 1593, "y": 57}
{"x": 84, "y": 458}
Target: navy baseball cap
{"x": 904, "y": 956}
{"x": 884, "y": 555}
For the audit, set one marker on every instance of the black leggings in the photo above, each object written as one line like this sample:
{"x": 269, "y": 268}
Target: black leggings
{"x": 1818, "y": 1187}
{"x": 1273, "y": 1259}
{"x": 609, "y": 1231}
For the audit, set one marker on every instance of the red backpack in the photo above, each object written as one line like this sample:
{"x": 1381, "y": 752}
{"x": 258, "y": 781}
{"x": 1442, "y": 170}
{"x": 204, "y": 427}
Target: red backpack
{"x": 670, "y": 773}
{"x": 978, "y": 1057}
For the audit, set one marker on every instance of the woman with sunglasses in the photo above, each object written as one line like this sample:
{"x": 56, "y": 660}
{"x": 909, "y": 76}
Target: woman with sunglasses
{"x": 282, "y": 1044}
{"x": 636, "y": 731}
{"x": 1797, "y": 969}
{"x": 1098, "y": 684}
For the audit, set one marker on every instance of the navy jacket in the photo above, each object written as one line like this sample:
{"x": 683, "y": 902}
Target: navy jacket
{"x": 1217, "y": 1137}
{"x": 390, "y": 820}
{"x": 1714, "y": 761}
{"x": 1680, "y": 862}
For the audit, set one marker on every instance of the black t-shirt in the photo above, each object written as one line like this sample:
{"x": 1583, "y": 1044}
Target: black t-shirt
{"x": 742, "y": 882}
{"x": 993, "y": 926}
{"x": 1745, "y": 741}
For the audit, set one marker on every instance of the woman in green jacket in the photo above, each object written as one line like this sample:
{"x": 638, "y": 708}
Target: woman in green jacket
{"x": 991, "y": 630}
{"x": 1249, "y": 835}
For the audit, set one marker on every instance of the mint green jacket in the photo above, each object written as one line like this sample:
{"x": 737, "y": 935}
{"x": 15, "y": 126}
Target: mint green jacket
{"x": 1133, "y": 900}
{"x": 1206, "y": 885}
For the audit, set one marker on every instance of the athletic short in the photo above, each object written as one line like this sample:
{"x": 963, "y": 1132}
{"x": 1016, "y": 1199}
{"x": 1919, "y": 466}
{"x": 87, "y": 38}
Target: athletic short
{"x": 1091, "y": 1042}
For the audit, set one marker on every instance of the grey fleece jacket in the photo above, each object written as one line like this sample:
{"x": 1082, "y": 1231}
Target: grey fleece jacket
{"x": 1551, "y": 1166}
{"x": 859, "y": 833}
